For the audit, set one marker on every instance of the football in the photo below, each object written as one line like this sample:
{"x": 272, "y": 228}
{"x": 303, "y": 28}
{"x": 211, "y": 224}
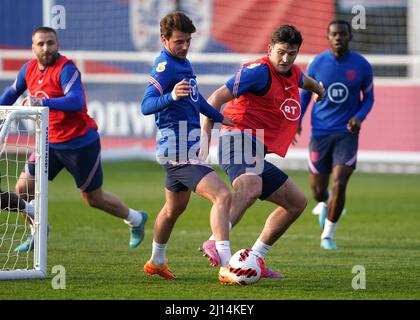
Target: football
{"x": 246, "y": 267}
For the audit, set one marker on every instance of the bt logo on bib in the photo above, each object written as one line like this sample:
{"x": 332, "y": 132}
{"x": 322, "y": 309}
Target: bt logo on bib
{"x": 338, "y": 92}
{"x": 291, "y": 109}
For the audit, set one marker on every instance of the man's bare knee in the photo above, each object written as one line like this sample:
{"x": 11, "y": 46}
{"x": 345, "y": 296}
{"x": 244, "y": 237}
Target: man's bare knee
{"x": 224, "y": 197}
{"x": 174, "y": 211}
{"x": 298, "y": 205}
{"x": 302, "y": 202}
{"x": 320, "y": 194}
{"x": 249, "y": 187}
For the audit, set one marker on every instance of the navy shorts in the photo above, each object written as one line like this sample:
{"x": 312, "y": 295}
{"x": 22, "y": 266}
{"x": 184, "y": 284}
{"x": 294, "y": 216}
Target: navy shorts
{"x": 327, "y": 151}
{"x": 84, "y": 164}
{"x": 240, "y": 154}
{"x": 186, "y": 176}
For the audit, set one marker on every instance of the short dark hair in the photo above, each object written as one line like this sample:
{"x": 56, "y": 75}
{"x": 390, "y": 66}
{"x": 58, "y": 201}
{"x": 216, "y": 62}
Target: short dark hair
{"x": 287, "y": 33}
{"x": 339, "y": 22}
{"x": 44, "y": 30}
{"x": 176, "y": 20}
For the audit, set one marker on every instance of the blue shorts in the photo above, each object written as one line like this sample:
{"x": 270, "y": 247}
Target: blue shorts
{"x": 184, "y": 177}
{"x": 327, "y": 151}
{"x": 84, "y": 165}
{"x": 240, "y": 154}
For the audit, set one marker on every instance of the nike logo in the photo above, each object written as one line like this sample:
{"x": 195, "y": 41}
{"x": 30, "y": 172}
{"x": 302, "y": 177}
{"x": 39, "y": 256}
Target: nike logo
{"x": 40, "y": 81}
{"x": 287, "y": 88}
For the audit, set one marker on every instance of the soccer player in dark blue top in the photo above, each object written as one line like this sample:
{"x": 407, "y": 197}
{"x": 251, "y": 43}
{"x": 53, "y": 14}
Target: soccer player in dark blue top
{"x": 173, "y": 97}
{"x": 336, "y": 122}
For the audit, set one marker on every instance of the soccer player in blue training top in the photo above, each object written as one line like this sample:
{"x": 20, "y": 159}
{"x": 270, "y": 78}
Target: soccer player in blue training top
{"x": 53, "y": 80}
{"x": 336, "y": 122}
{"x": 173, "y": 96}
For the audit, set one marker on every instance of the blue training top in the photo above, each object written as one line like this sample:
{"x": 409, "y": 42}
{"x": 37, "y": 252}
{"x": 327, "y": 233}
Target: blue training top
{"x": 254, "y": 79}
{"x": 178, "y": 121}
{"x": 345, "y": 79}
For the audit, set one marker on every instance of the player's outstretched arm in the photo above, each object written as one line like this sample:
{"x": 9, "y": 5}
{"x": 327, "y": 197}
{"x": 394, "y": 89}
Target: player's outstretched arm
{"x": 216, "y": 99}
{"x": 12, "y": 93}
{"x": 220, "y": 97}
{"x": 297, "y": 134}
{"x": 311, "y": 85}
{"x": 9, "y": 97}
{"x": 153, "y": 100}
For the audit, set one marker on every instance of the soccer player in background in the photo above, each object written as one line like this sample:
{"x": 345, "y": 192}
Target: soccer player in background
{"x": 173, "y": 97}
{"x": 52, "y": 80}
{"x": 263, "y": 95}
{"x": 336, "y": 122}
{"x": 11, "y": 201}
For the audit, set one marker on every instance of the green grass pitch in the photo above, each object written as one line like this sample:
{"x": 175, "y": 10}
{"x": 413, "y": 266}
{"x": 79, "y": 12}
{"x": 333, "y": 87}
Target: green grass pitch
{"x": 380, "y": 232}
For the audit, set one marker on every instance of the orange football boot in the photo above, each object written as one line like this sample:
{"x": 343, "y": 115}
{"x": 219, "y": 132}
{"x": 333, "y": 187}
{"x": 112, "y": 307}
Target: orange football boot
{"x": 163, "y": 271}
{"x": 225, "y": 276}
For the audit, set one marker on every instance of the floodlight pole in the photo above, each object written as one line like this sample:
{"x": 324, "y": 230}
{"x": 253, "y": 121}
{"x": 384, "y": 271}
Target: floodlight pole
{"x": 46, "y": 12}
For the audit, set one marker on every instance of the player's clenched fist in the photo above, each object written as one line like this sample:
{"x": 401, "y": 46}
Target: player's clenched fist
{"x": 181, "y": 89}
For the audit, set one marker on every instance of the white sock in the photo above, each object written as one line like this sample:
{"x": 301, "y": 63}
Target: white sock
{"x": 230, "y": 228}
{"x": 261, "y": 248}
{"x": 134, "y": 218}
{"x": 223, "y": 249}
{"x": 329, "y": 229}
{"x": 158, "y": 253}
{"x": 30, "y": 209}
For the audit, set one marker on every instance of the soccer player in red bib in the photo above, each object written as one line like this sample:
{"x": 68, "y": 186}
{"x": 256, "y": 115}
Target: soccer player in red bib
{"x": 263, "y": 102}
{"x": 53, "y": 80}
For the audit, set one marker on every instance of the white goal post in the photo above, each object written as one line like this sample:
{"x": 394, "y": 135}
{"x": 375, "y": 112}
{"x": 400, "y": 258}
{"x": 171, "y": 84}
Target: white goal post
{"x": 23, "y": 131}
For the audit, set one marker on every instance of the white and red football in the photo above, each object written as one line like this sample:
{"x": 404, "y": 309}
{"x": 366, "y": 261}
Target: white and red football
{"x": 246, "y": 267}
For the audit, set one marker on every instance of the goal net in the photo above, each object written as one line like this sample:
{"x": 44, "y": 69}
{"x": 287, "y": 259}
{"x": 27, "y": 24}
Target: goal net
{"x": 23, "y": 132}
